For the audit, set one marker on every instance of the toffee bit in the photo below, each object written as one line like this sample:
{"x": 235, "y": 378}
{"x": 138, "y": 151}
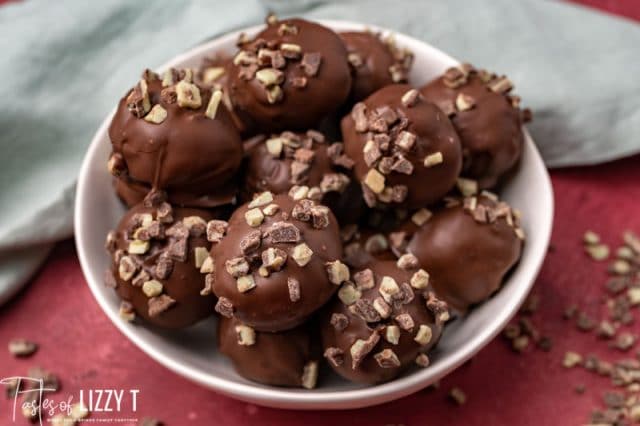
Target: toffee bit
{"x": 337, "y": 272}
{"x": 520, "y": 343}
{"x": 620, "y": 267}
{"x": 364, "y": 279}
{"x": 224, "y": 307}
{"x": 511, "y": 331}
{"x": 126, "y": 311}
{"x": 358, "y": 115}
{"x": 571, "y": 359}
{"x": 116, "y": 165}
{"x": 598, "y": 251}
{"x": 625, "y": 341}
{"x": 160, "y": 304}
{"x": 208, "y": 284}
{"x": 348, "y": 294}
{"x": 591, "y": 238}
{"x": 251, "y": 242}
{"x": 138, "y": 99}
{"x": 530, "y": 305}
{"x": 365, "y": 310}
{"x": 464, "y": 102}
{"x": 422, "y": 360}
{"x": 387, "y": 359}
{"x": 617, "y": 284}
{"x": 22, "y": 348}
{"x": 457, "y": 396}
{"x": 339, "y": 321}
{"x": 605, "y": 330}
{"x": 245, "y": 283}
{"x": 301, "y": 254}
{"x": 335, "y": 356}
{"x": 545, "y": 343}
{"x": 216, "y": 229}
{"x": 294, "y": 289}
{"x": 310, "y": 375}
{"x": 584, "y": 322}
{"x": 311, "y": 63}
{"x": 361, "y": 348}
{"x": 283, "y": 232}
{"x": 410, "y": 98}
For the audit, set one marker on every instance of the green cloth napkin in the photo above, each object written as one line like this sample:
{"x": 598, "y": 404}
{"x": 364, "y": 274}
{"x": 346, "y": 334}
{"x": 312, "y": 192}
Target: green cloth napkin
{"x": 65, "y": 64}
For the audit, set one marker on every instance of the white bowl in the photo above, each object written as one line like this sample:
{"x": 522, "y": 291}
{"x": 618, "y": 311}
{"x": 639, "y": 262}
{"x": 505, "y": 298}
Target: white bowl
{"x": 192, "y": 353}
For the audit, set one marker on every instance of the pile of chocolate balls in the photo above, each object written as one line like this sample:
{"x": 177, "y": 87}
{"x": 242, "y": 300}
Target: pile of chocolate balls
{"x": 325, "y": 210}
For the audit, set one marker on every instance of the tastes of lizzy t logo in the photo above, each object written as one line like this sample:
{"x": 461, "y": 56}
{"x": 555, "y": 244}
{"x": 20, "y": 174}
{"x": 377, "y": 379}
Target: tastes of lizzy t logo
{"x": 29, "y": 398}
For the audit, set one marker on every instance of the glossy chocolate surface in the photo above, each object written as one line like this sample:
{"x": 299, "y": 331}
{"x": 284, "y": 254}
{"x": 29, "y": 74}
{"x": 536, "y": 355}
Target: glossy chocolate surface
{"x": 383, "y": 118}
{"x": 269, "y": 306}
{"x": 306, "y": 94}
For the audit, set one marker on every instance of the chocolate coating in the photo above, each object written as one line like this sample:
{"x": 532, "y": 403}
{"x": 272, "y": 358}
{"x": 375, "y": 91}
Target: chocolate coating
{"x": 466, "y": 257}
{"x": 407, "y": 349}
{"x": 276, "y": 359}
{"x": 403, "y": 180}
{"x": 133, "y": 193}
{"x": 375, "y": 62}
{"x": 490, "y": 131}
{"x": 270, "y": 305}
{"x": 305, "y": 94}
{"x": 182, "y": 282}
{"x": 327, "y": 172}
{"x": 193, "y": 157}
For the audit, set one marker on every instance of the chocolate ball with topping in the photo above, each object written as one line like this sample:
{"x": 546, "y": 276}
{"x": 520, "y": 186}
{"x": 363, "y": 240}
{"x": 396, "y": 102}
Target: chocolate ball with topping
{"x": 406, "y": 151}
{"x": 291, "y": 75}
{"x": 384, "y": 321}
{"x": 171, "y": 134}
{"x": 279, "y": 162}
{"x": 487, "y": 118}
{"x": 468, "y": 248}
{"x": 279, "y": 261}
{"x": 375, "y": 62}
{"x": 287, "y": 358}
{"x": 160, "y": 263}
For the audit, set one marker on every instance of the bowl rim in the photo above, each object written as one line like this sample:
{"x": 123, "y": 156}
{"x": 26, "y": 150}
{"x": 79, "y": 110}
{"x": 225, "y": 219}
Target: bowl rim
{"x": 294, "y": 398}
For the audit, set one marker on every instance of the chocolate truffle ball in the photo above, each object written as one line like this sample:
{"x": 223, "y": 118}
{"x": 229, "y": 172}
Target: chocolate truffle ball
{"x": 278, "y": 262}
{"x": 291, "y": 75}
{"x": 375, "y": 62}
{"x": 286, "y": 358}
{"x": 405, "y": 149}
{"x": 160, "y": 264}
{"x": 170, "y": 134}
{"x": 278, "y": 163}
{"x": 486, "y": 117}
{"x": 468, "y": 248}
{"x": 383, "y": 322}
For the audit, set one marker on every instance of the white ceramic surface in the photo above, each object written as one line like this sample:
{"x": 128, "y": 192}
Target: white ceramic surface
{"x": 192, "y": 354}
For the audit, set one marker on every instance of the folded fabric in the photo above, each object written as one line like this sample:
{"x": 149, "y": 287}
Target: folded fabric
{"x": 65, "y": 65}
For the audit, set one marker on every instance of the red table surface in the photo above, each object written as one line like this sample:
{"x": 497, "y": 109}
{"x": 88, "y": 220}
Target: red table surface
{"x": 79, "y": 343}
